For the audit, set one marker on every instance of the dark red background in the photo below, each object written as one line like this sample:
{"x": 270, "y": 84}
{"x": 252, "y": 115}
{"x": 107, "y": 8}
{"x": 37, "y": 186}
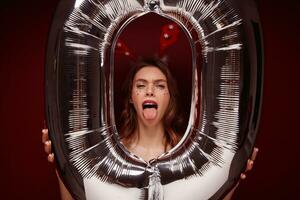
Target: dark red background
{"x": 25, "y": 172}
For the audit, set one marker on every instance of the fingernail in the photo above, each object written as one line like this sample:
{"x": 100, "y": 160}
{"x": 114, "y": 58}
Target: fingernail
{"x": 243, "y": 176}
{"x": 50, "y": 157}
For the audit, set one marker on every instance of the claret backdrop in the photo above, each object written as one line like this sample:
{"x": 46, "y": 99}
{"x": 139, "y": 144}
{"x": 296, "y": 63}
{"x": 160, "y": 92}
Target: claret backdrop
{"x": 25, "y": 172}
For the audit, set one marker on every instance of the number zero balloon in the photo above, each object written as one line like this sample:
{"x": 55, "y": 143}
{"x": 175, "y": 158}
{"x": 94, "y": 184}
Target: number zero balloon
{"x": 226, "y": 76}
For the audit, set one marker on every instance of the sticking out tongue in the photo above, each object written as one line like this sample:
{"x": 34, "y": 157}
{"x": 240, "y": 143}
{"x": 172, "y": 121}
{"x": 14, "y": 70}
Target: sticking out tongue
{"x": 150, "y": 113}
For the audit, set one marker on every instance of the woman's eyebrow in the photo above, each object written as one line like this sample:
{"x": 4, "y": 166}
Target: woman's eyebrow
{"x": 146, "y": 81}
{"x": 141, "y": 80}
{"x": 160, "y": 80}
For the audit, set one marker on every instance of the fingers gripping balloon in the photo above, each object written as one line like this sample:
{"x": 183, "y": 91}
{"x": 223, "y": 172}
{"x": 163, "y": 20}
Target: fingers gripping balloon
{"x": 97, "y": 160}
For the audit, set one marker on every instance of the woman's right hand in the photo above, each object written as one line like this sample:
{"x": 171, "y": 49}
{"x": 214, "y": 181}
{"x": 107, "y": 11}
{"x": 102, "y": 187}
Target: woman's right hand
{"x": 64, "y": 193}
{"x": 47, "y": 145}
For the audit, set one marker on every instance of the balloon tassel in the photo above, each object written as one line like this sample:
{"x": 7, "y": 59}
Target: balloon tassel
{"x": 155, "y": 190}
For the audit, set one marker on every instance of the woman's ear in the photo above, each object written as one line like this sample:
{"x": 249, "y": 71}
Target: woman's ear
{"x": 130, "y": 100}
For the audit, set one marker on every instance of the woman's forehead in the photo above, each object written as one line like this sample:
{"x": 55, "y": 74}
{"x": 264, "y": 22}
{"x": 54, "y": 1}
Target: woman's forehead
{"x": 150, "y": 73}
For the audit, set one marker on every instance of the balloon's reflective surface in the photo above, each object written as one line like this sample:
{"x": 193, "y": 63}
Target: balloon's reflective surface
{"x": 224, "y": 109}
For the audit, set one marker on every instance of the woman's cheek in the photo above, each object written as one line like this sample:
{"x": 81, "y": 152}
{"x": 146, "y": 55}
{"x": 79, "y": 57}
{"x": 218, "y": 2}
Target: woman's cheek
{"x": 166, "y": 100}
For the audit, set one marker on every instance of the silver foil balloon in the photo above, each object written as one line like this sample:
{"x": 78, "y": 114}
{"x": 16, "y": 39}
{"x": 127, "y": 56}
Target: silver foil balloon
{"x": 224, "y": 110}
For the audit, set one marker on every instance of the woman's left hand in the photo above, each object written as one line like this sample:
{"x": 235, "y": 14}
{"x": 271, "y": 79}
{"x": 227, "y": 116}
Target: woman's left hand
{"x": 249, "y": 167}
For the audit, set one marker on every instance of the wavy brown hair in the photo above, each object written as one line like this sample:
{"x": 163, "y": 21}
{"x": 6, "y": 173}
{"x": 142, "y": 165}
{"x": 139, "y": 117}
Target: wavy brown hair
{"x": 172, "y": 120}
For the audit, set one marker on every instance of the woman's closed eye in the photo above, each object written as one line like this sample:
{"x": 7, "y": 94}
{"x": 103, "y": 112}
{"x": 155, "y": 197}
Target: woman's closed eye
{"x": 161, "y": 86}
{"x": 140, "y": 86}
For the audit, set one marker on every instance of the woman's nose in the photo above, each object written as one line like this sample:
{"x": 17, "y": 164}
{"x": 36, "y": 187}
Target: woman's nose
{"x": 150, "y": 91}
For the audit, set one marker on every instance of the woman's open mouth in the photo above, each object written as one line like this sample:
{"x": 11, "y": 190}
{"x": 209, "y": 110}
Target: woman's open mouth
{"x": 149, "y": 109}
{"x": 149, "y": 104}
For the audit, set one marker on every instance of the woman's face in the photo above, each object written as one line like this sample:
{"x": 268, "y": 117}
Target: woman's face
{"x": 150, "y": 95}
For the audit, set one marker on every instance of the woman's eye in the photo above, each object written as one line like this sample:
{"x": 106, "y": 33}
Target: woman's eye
{"x": 161, "y": 86}
{"x": 140, "y": 86}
